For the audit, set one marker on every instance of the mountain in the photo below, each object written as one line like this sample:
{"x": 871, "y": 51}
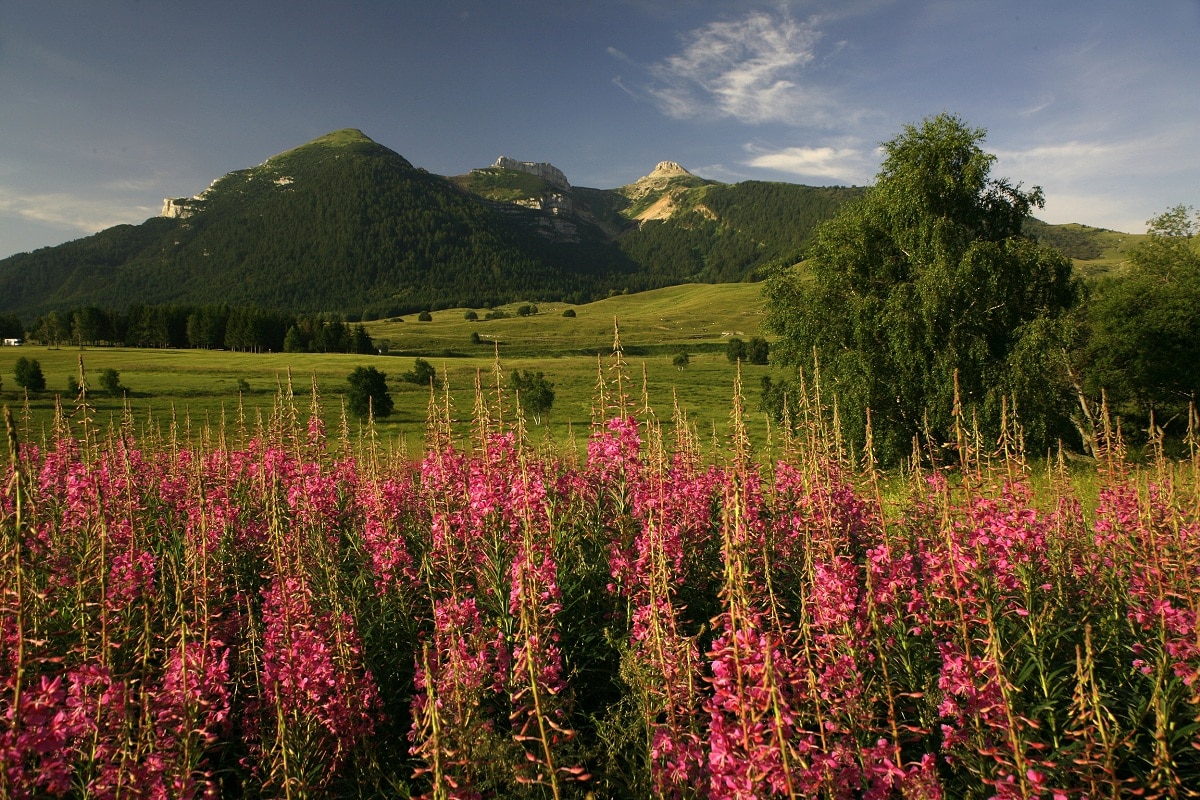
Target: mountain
{"x": 341, "y": 223}
{"x": 344, "y": 224}
{"x": 676, "y": 227}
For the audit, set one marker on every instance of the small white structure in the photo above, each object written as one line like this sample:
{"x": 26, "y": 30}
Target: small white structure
{"x": 13, "y": 342}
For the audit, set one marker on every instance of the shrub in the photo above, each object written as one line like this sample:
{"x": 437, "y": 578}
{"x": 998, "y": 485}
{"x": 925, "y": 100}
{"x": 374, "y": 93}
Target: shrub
{"x": 421, "y": 374}
{"x": 527, "y": 310}
{"x": 470, "y": 316}
{"x": 534, "y": 393}
{"x": 475, "y": 337}
{"x": 570, "y": 312}
{"x": 424, "y": 316}
{"x": 110, "y": 381}
{"x": 28, "y": 374}
{"x": 757, "y": 350}
{"x": 681, "y": 359}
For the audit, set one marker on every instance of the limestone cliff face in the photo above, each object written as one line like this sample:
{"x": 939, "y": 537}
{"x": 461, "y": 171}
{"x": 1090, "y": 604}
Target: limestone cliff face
{"x": 184, "y": 207}
{"x": 178, "y": 207}
{"x": 555, "y": 203}
{"x": 547, "y": 172}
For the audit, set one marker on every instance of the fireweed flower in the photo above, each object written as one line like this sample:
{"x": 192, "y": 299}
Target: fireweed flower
{"x": 311, "y": 668}
{"x": 454, "y": 676}
{"x": 384, "y": 505}
{"x": 190, "y": 710}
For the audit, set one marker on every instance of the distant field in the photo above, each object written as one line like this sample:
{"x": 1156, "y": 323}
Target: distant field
{"x": 692, "y": 316}
{"x": 202, "y": 386}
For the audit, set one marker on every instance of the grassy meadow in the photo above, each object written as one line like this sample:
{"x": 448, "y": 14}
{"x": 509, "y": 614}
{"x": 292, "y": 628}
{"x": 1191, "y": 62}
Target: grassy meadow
{"x": 675, "y": 614}
{"x": 203, "y": 386}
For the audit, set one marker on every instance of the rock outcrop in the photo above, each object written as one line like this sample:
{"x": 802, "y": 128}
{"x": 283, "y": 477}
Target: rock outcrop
{"x": 179, "y": 207}
{"x": 547, "y": 172}
{"x": 184, "y": 207}
{"x": 669, "y": 169}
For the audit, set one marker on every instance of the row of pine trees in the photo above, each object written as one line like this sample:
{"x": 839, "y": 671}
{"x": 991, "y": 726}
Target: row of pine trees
{"x": 213, "y": 327}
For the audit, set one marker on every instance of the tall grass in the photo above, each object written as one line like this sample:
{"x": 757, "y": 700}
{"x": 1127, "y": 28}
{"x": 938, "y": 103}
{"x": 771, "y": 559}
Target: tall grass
{"x": 267, "y": 609}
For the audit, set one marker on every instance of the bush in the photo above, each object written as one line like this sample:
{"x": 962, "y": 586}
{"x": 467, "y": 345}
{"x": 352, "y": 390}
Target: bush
{"x": 570, "y": 312}
{"x": 368, "y": 392}
{"x": 681, "y": 360}
{"x": 757, "y": 350}
{"x": 535, "y": 394}
{"x": 470, "y": 316}
{"x": 496, "y": 313}
{"x": 28, "y": 374}
{"x": 527, "y": 310}
{"x": 421, "y": 374}
{"x": 424, "y": 316}
{"x": 475, "y": 337}
{"x": 110, "y": 381}
{"x": 736, "y": 350}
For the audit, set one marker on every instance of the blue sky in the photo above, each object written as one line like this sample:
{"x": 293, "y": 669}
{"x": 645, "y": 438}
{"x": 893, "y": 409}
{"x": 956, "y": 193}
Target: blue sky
{"x": 108, "y": 107}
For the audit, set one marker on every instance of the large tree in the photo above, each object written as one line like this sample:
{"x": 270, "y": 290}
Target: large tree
{"x": 929, "y": 276}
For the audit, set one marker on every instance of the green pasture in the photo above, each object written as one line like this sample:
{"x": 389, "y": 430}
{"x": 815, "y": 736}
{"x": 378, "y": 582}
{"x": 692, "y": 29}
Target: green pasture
{"x": 201, "y": 387}
{"x": 693, "y": 317}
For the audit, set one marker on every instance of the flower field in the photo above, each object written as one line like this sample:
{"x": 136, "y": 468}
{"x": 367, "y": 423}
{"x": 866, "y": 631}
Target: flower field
{"x": 274, "y": 610}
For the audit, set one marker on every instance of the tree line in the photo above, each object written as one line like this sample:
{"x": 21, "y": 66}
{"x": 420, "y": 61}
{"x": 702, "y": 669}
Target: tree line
{"x": 210, "y": 327}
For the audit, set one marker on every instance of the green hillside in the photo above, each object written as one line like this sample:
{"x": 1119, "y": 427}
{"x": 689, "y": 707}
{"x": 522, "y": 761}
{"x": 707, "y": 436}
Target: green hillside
{"x": 690, "y": 317}
{"x": 729, "y": 232}
{"x": 1095, "y": 251}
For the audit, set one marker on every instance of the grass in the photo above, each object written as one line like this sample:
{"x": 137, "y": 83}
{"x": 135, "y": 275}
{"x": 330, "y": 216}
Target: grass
{"x": 203, "y": 385}
{"x": 1115, "y": 246}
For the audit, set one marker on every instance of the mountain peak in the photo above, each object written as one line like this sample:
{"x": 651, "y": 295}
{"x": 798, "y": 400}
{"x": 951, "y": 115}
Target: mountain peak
{"x": 669, "y": 169}
{"x": 346, "y": 138}
{"x": 343, "y": 137}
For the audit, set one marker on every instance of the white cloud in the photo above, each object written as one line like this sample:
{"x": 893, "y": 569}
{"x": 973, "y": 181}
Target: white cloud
{"x": 844, "y": 164}
{"x": 748, "y": 69}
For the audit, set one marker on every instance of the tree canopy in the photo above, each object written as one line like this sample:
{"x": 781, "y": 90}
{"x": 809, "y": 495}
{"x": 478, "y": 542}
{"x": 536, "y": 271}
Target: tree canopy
{"x": 368, "y": 393}
{"x": 1142, "y": 328}
{"x": 925, "y": 278}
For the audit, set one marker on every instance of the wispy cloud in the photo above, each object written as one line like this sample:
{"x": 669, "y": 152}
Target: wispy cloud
{"x": 1080, "y": 176}
{"x": 844, "y": 164}
{"x": 749, "y": 69}
{"x": 70, "y": 211}
{"x": 1069, "y": 157}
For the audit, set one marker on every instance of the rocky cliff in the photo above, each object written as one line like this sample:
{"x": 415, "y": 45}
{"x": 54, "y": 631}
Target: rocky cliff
{"x": 547, "y": 172}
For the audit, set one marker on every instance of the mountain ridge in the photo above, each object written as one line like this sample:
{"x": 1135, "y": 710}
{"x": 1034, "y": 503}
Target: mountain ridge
{"x": 343, "y": 223}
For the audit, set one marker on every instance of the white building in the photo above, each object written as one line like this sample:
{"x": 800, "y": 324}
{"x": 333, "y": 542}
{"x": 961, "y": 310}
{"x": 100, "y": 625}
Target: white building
{"x": 13, "y": 342}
